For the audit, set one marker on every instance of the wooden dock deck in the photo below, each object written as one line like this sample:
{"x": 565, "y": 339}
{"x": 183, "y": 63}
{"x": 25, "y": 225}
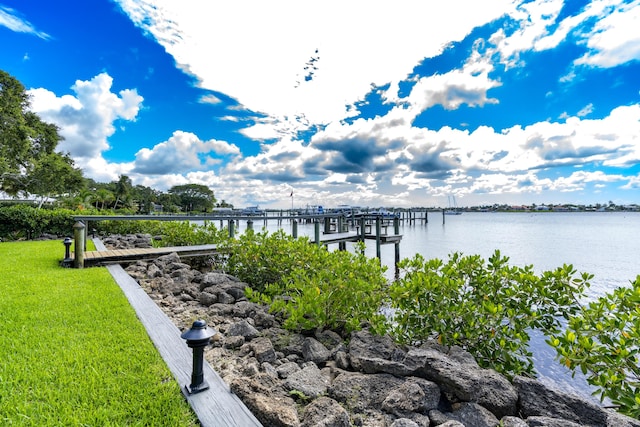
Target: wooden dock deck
{"x": 215, "y": 407}
{"x": 105, "y": 257}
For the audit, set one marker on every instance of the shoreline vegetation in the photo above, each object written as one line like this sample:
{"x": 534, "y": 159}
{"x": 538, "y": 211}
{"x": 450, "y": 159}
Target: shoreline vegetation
{"x": 487, "y": 309}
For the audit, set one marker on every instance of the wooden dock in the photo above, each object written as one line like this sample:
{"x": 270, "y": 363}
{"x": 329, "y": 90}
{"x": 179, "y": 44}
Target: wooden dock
{"x": 215, "y": 407}
{"x": 116, "y": 256}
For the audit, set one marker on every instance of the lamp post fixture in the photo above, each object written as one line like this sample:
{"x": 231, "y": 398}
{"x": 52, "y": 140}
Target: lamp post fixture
{"x": 197, "y": 338}
{"x": 67, "y": 250}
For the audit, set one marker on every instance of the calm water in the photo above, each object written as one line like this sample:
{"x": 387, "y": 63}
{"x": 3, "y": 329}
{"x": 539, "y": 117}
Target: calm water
{"x": 605, "y": 244}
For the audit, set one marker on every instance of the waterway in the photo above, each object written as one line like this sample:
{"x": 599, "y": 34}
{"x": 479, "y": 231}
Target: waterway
{"x": 605, "y": 244}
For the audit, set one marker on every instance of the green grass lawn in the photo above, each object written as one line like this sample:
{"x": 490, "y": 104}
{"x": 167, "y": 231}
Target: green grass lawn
{"x": 72, "y": 351}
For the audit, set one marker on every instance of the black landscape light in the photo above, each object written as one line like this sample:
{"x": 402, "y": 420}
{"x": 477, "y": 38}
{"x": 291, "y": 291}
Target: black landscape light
{"x": 67, "y": 249}
{"x": 197, "y": 338}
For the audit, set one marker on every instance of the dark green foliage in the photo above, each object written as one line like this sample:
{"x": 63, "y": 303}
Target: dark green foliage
{"x": 29, "y": 163}
{"x": 22, "y": 221}
{"x": 603, "y": 341}
{"x": 486, "y": 308}
{"x": 194, "y": 197}
{"x": 312, "y": 287}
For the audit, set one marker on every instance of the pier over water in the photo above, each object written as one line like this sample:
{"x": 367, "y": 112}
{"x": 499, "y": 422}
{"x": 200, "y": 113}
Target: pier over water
{"x": 329, "y": 228}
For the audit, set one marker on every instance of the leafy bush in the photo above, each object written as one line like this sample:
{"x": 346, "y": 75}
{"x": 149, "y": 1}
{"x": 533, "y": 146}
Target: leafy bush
{"x": 264, "y": 258}
{"x": 312, "y": 287}
{"x": 603, "y": 341}
{"x": 486, "y": 308}
{"x": 24, "y": 221}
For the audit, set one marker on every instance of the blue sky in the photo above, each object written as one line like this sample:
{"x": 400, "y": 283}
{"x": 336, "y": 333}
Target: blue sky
{"x": 368, "y": 103}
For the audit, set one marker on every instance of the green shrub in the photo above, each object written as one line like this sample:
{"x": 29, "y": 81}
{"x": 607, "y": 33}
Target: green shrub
{"x": 24, "y": 221}
{"x": 343, "y": 291}
{"x": 264, "y": 258}
{"x": 603, "y": 341}
{"x": 486, "y": 308}
{"x": 312, "y": 287}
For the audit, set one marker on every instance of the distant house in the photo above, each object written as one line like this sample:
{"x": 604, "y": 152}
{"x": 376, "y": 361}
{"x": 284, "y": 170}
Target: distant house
{"x": 542, "y": 208}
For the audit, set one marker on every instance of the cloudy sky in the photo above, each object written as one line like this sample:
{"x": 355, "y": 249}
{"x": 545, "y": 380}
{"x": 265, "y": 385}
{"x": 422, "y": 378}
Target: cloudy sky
{"x": 362, "y": 102}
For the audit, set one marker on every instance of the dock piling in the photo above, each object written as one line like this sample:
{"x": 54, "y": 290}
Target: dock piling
{"x": 79, "y": 242}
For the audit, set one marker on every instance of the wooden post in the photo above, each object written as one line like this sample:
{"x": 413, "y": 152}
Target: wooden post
{"x": 396, "y": 231}
{"x": 327, "y": 225}
{"x": 426, "y": 216}
{"x": 232, "y": 226}
{"x": 316, "y": 231}
{"x": 79, "y": 242}
{"x": 294, "y": 227}
{"x": 378, "y": 231}
{"x": 250, "y": 224}
{"x": 442, "y": 216}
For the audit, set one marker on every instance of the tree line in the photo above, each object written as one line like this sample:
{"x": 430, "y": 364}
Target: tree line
{"x": 32, "y": 168}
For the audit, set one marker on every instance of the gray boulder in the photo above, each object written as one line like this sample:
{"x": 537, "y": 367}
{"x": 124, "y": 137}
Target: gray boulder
{"x": 314, "y": 351}
{"x": 414, "y": 395}
{"x": 467, "y": 381}
{"x": 243, "y": 329}
{"x": 537, "y": 399}
{"x": 550, "y": 422}
{"x": 365, "y": 347}
{"x": 325, "y": 412}
{"x": 361, "y": 391}
{"x": 264, "y": 397}
{"x": 310, "y": 381}
{"x": 473, "y": 415}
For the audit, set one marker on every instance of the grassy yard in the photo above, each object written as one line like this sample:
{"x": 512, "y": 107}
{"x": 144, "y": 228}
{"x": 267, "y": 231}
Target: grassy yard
{"x": 72, "y": 351}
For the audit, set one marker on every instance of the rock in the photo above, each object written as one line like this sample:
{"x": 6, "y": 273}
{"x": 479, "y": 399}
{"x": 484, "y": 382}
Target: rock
{"x": 549, "y": 422}
{"x": 263, "y": 397}
{"x": 314, "y": 351}
{"x": 404, "y": 422}
{"x": 269, "y": 369}
{"x": 233, "y": 341}
{"x": 263, "y": 350}
{"x": 467, "y": 381}
{"x": 361, "y": 391}
{"x": 473, "y": 415}
{"x": 342, "y": 360}
{"x": 414, "y": 395}
{"x": 244, "y": 329}
{"x": 287, "y": 369}
{"x": 437, "y": 417}
{"x": 537, "y": 399}
{"x": 164, "y": 260}
{"x": 244, "y": 309}
{"x": 510, "y": 421}
{"x": 153, "y": 271}
{"x": 225, "y": 298}
{"x": 310, "y": 381}
{"x": 325, "y": 412}
{"x": 264, "y": 320}
{"x": 364, "y": 345}
{"x": 207, "y": 299}
{"x": 453, "y": 423}
{"x": 329, "y": 339}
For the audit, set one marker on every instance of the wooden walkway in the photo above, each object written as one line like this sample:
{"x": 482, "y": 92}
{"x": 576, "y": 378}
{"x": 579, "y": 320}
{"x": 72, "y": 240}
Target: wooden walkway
{"x": 215, "y": 407}
{"x": 105, "y": 257}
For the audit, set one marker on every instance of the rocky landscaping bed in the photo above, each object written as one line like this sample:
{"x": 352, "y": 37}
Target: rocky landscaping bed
{"x": 319, "y": 379}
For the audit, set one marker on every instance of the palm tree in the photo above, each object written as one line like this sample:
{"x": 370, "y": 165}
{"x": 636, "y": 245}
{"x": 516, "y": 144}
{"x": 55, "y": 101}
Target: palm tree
{"x": 103, "y": 196}
{"x": 123, "y": 190}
